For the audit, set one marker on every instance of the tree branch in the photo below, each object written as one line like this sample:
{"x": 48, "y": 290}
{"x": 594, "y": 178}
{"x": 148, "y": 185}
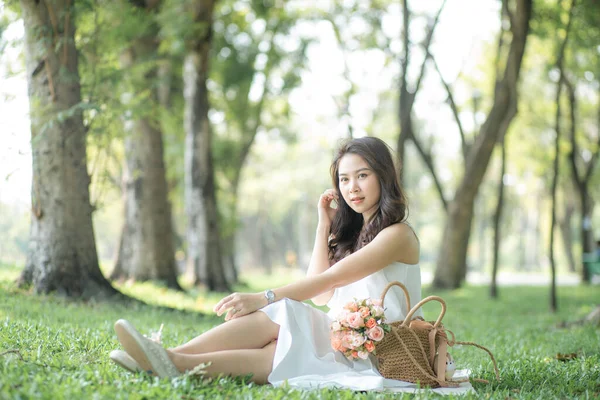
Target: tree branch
{"x": 66, "y": 32}
{"x": 509, "y": 14}
{"x": 426, "y": 46}
{"x": 595, "y": 154}
{"x": 465, "y": 145}
{"x": 428, "y": 160}
{"x": 15, "y": 351}
{"x": 406, "y": 44}
{"x": 503, "y": 10}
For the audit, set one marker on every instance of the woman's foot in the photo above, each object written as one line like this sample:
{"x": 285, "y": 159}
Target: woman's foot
{"x": 149, "y": 355}
{"x": 124, "y": 360}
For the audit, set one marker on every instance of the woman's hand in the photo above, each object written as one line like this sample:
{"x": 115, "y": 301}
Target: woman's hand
{"x": 240, "y": 304}
{"x": 326, "y": 212}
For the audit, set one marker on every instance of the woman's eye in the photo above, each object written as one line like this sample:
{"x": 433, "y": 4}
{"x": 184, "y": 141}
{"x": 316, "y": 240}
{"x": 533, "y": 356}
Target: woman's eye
{"x": 362, "y": 175}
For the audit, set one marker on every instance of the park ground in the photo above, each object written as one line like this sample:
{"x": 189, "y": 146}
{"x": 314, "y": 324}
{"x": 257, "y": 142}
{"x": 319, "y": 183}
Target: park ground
{"x": 57, "y": 349}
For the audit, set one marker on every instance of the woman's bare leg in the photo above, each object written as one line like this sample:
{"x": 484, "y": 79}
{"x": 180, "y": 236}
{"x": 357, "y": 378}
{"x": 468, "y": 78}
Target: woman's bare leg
{"x": 258, "y": 362}
{"x": 252, "y": 331}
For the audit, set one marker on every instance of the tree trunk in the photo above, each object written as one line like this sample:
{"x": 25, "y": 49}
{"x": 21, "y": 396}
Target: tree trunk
{"x": 556, "y": 166}
{"x": 203, "y": 234}
{"x": 451, "y": 264}
{"x": 497, "y": 220}
{"x": 582, "y": 180}
{"x": 587, "y": 237}
{"x": 146, "y": 248}
{"x": 566, "y": 233}
{"x": 523, "y": 223}
{"x": 62, "y": 253}
{"x": 480, "y": 216}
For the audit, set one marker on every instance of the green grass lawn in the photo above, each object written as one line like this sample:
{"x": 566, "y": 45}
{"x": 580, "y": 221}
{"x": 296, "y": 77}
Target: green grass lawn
{"x": 64, "y": 345}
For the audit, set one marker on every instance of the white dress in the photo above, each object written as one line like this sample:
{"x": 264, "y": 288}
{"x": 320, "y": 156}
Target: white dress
{"x": 304, "y": 357}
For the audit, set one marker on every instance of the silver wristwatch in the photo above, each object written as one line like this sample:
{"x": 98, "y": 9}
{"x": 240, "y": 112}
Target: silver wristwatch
{"x": 270, "y": 296}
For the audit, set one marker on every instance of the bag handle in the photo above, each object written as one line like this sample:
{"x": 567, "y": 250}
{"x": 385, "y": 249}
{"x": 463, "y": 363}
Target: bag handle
{"x": 401, "y": 286}
{"x": 419, "y": 304}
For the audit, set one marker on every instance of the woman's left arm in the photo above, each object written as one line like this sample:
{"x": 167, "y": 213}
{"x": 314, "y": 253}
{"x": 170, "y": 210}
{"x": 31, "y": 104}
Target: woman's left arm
{"x": 395, "y": 243}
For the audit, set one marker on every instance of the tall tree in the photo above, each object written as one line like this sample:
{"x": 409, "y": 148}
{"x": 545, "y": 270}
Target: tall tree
{"x": 62, "y": 253}
{"x": 252, "y": 73}
{"x": 556, "y": 162}
{"x": 451, "y": 264}
{"x": 582, "y": 171}
{"x": 498, "y": 219}
{"x": 146, "y": 246}
{"x": 584, "y": 153}
{"x": 203, "y": 234}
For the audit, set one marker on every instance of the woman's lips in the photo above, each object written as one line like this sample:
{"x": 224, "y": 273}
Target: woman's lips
{"x": 357, "y": 200}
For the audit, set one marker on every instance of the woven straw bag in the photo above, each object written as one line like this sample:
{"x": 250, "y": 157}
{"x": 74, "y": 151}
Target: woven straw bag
{"x": 408, "y": 351}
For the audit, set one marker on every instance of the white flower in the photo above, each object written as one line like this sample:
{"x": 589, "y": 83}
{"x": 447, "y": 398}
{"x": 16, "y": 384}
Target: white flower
{"x": 377, "y": 311}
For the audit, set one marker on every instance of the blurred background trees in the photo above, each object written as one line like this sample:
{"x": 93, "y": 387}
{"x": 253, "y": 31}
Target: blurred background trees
{"x": 210, "y": 127}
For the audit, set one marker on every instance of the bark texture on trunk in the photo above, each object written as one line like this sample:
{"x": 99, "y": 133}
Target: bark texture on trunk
{"x": 452, "y": 261}
{"x": 203, "y": 234}
{"x": 146, "y": 250}
{"x": 62, "y": 253}
{"x": 582, "y": 178}
{"x": 497, "y": 222}
{"x": 556, "y": 163}
{"x": 566, "y": 233}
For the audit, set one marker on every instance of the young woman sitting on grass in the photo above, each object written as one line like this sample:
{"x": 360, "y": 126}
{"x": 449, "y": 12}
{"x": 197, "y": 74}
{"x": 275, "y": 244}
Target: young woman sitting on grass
{"x": 361, "y": 245}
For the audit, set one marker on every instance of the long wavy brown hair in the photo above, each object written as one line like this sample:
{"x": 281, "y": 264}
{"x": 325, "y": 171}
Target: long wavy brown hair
{"x": 347, "y": 233}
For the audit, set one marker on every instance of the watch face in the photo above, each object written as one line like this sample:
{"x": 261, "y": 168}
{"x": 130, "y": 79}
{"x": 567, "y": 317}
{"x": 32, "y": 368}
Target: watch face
{"x": 270, "y": 295}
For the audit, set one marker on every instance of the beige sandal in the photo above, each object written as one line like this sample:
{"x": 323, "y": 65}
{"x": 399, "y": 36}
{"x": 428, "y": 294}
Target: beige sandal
{"x": 147, "y": 353}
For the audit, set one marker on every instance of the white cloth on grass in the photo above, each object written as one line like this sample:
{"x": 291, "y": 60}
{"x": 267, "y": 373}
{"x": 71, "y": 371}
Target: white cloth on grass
{"x": 304, "y": 357}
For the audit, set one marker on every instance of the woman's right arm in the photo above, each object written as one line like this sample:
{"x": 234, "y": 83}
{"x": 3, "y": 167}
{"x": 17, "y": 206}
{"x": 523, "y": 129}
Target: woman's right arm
{"x": 319, "y": 260}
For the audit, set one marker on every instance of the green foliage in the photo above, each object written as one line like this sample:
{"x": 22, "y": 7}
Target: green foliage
{"x": 65, "y": 346}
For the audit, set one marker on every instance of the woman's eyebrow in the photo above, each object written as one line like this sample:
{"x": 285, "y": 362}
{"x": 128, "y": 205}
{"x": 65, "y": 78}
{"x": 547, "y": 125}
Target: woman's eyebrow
{"x": 356, "y": 172}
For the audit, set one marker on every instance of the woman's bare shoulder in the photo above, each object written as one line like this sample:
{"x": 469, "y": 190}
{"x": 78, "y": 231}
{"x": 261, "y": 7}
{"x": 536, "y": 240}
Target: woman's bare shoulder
{"x": 405, "y": 240}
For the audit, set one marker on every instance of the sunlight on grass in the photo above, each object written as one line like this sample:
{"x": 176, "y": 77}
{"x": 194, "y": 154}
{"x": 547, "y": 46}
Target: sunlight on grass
{"x": 199, "y": 299}
{"x": 9, "y": 273}
{"x": 258, "y": 280}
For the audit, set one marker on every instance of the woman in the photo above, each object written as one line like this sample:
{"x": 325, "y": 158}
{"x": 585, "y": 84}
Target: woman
{"x": 360, "y": 246}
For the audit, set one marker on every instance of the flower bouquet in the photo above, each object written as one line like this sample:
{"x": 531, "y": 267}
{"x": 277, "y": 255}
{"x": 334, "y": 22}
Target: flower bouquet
{"x": 357, "y": 327}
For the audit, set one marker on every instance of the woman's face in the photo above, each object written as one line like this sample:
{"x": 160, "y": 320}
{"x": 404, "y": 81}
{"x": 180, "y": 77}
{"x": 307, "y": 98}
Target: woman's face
{"x": 359, "y": 185}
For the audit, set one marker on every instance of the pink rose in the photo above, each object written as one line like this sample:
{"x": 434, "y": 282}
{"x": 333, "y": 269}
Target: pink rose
{"x": 364, "y": 311}
{"x": 355, "y": 354}
{"x": 369, "y": 346}
{"x": 356, "y": 339}
{"x": 336, "y": 326}
{"x": 370, "y": 323}
{"x": 355, "y": 320}
{"x": 363, "y": 354}
{"x": 336, "y": 343}
{"x": 375, "y": 333}
{"x": 351, "y": 306}
{"x": 347, "y": 339}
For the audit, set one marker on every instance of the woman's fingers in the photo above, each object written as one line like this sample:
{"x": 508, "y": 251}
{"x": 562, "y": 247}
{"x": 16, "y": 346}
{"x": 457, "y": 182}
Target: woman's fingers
{"x": 331, "y": 193}
{"x": 328, "y": 196}
{"x": 230, "y": 305}
{"x": 222, "y": 305}
{"x": 235, "y": 313}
